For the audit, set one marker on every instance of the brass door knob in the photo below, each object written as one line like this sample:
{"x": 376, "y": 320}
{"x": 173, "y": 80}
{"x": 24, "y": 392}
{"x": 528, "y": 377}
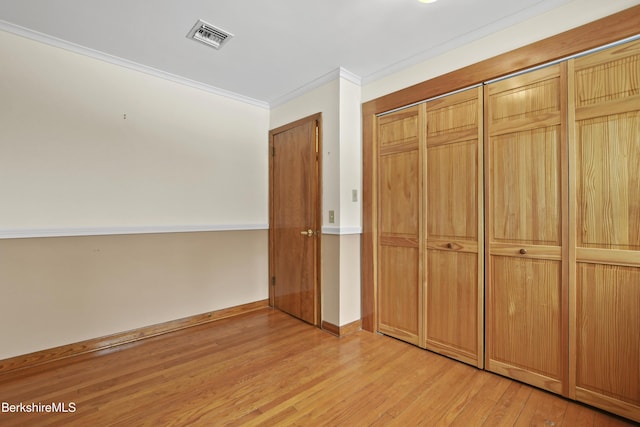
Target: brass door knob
{"x": 309, "y": 232}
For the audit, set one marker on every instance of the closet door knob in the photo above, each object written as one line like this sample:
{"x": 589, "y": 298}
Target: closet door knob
{"x": 523, "y": 251}
{"x": 449, "y": 245}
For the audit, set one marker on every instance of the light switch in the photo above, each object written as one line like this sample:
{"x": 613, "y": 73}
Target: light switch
{"x": 354, "y": 195}
{"x": 332, "y": 217}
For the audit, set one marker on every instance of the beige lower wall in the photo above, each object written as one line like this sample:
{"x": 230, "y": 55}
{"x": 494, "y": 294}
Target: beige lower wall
{"x": 330, "y": 287}
{"x": 62, "y": 290}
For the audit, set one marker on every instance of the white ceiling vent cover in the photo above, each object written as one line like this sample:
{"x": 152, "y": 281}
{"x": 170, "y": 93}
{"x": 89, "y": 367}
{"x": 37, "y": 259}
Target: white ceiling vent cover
{"x": 209, "y": 35}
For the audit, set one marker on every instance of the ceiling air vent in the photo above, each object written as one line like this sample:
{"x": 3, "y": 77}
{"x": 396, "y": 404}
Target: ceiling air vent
{"x": 209, "y": 35}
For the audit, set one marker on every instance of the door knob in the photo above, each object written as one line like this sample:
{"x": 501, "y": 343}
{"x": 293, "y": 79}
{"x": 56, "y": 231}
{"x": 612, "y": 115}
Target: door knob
{"x": 309, "y": 232}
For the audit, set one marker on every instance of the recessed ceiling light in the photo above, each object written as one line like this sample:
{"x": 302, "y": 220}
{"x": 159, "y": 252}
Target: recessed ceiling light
{"x": 427, "y": 1}
{"x": 209, "y": 35}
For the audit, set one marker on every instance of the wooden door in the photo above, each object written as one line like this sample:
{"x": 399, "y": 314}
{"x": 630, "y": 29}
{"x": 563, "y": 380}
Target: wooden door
{"x": 294, "y": 223}
{"x": 454, "y": 232}
{"x": 605, "y": 286}
{"x": 399, "y": 224}
{"x": 526, "y": 246}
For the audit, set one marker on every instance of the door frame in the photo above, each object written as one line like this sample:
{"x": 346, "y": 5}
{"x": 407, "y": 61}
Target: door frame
{"x": 317, "y": 276}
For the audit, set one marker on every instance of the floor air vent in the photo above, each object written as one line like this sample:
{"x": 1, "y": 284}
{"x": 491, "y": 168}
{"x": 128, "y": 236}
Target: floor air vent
{"x": 209, "y": 35}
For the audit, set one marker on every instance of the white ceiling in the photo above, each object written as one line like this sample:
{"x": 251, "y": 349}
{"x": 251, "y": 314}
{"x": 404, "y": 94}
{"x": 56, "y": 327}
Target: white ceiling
{"x": 278, "y": 46}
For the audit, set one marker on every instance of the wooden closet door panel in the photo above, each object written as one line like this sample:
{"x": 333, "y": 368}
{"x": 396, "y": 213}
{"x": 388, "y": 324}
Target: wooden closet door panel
{"x": 526, "y": 187}
{"x": 454, "y": 264}
{"x": 608, "y": 344}
{"x": 452, "y": 207}
{"x": 529, "y": 101}
{"x": 606, "y": 79}
{"x": 399, "y": 198}
{"x": 526, "y": 320}
{"x": 605, "y": 291}
{"x": 398, "y": 128}
{"x": 399, "y": 294}
{"x": 608, "y": 181}
{"x": 452, "y": 309}
{"x": 399, "y": 225}
{"x": 526, "y": 181}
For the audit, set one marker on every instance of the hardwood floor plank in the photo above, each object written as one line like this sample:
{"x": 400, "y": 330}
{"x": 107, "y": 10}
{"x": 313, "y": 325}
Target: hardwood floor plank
{"x": 480, "y": 406}
{"x": 368, "y": 395}
{"x": 467, "y": 395}
{"x": 542, "y": 409}
{"x": 311, "y": 403}
{"x": 402, "y": 389}
{"x": 511, "y": 403}
{"x": 428, "y": 371}
{"x": 310, "y": 370}
{"x": 578, "y": 415}
{"x": 233, "y": 379}
{"x": 268, "y": 369}
{"x": 433, "y": 402}
{"x": 606, "y": 420}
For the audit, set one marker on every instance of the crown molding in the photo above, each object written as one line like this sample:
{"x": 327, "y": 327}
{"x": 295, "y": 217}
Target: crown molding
{"x": 349, "y": 76}
{"x": 22, "y": 233}
{"x": 115, "y": 60}
{"x": 506, "y": 22}
{"x": 111, "y": 59}
{"x": 338, "y": 73}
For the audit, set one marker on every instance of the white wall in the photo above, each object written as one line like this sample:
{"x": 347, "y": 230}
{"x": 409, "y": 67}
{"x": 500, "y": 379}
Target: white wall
{"x": 350, "y": 155}
{"x": 350, "y": 211}
{"x": 563, "y": 18}
{"x": 69, "y": 158}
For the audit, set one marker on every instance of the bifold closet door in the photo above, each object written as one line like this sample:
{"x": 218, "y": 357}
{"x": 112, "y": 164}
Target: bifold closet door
{"x": 526, "y": 200}
{"x": 454, "y": 297}
{"x": 605, "y": 290}
{"x": 399, "y": 223}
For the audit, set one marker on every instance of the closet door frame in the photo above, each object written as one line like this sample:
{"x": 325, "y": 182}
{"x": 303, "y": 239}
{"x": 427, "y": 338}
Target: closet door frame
{"x": 609, "y": 29}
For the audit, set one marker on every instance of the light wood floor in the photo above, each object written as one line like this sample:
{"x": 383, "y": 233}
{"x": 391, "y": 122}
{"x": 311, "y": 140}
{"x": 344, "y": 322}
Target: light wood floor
{"x": 266, "y": 368}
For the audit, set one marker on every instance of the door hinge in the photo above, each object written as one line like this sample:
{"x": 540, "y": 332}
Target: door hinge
{"x": 273, "y": 280}
{"x": 273, "y": 151}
